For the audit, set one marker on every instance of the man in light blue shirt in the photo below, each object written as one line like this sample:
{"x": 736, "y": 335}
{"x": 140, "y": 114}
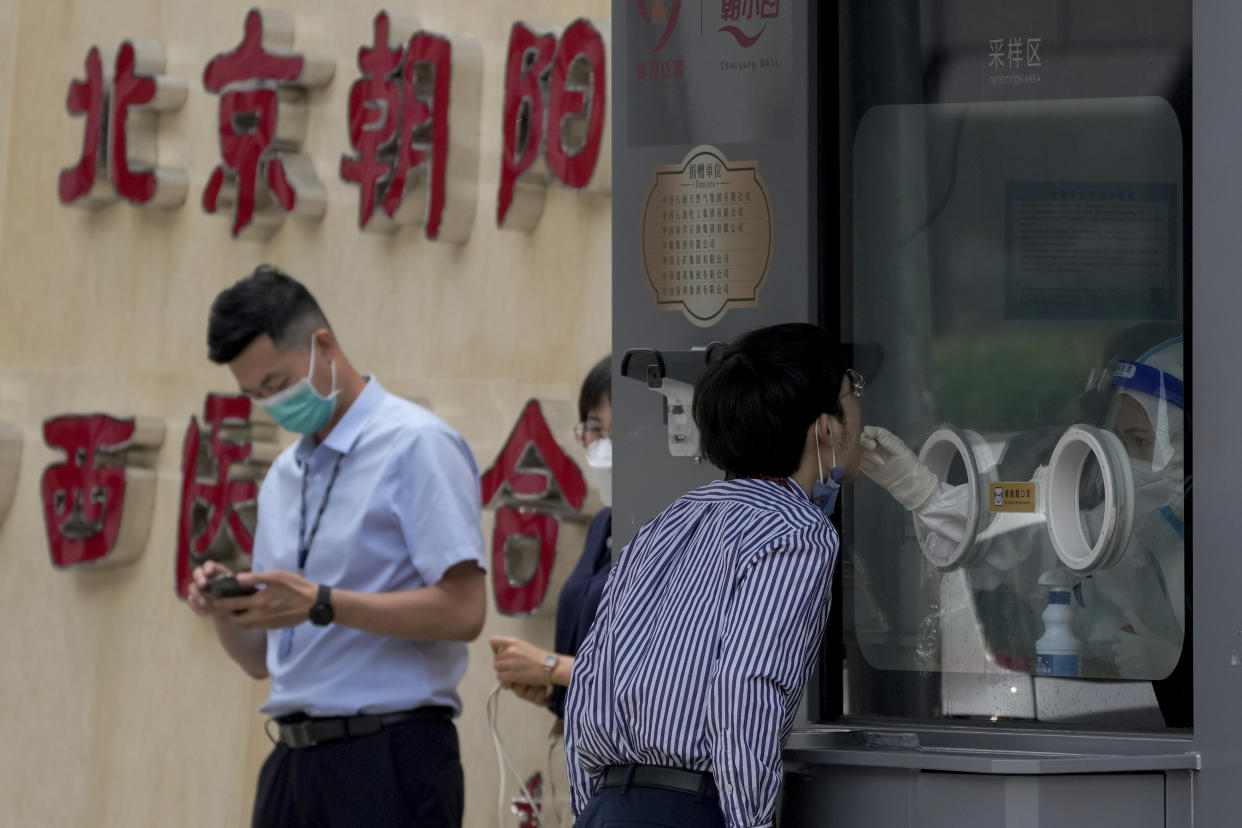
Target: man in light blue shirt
{"x": 368, "y": 561}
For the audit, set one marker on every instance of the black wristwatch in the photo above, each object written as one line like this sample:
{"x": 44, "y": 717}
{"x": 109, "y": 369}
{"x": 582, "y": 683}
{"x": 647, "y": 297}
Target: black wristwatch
{"x": 321, "y": 610}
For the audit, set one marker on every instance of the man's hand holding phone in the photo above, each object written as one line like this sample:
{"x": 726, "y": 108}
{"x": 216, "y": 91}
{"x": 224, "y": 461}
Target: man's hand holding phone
{"x": 267, "y": 600}
{"x": 227, "y": 586}
{"x": 247, "y": 648}
{"x": 213, "y": 581}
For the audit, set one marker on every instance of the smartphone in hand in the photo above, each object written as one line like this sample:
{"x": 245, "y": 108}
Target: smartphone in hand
{"x": 226, "y": 586}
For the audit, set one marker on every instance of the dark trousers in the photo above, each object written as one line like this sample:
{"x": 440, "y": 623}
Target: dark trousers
{"x": 637, "y": 807}
{"x": 406, "y": 774}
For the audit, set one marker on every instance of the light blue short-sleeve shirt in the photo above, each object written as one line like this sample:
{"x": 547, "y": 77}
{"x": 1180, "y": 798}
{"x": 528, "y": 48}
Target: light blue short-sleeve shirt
{"x": 403, "y": 510}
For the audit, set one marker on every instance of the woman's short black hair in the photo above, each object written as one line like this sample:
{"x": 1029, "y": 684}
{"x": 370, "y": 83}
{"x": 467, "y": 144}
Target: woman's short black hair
{"x": 596, "y": 388}
{"x": 265, "y": 302}
{"x": 755, "y": 402}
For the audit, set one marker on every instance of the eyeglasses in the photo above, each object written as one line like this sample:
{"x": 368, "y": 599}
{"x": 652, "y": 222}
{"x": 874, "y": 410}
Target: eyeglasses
{"x": 586, "y": 433}
{"x": 857, "y": 383}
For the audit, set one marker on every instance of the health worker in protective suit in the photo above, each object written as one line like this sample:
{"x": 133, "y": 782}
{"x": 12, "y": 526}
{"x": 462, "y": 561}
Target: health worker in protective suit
{"x": 1147, "y": 415}
{"x": 1132, "y": 615}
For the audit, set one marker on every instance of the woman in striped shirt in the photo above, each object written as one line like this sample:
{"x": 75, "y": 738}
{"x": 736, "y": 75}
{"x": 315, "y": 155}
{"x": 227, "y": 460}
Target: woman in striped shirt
{"x": 686, "y": 687}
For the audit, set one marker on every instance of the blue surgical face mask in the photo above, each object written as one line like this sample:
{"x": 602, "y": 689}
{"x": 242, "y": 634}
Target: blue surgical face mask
{"x": 300, "y": 408}
{"x": 824, "y": 491}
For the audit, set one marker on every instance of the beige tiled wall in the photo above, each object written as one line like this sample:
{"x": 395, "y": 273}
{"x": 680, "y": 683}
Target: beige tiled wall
{"x": 117, "y": 707}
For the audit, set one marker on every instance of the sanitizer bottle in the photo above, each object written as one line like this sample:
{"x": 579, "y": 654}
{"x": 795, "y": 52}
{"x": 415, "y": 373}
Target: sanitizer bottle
{"x": 1057, "y": 652}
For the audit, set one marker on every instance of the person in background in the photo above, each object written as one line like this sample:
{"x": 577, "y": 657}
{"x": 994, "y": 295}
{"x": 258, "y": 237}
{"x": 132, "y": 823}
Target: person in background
{"x": 368, "y": 563}
{"x": 541, "y": 676}
{"x": 686, "y": 687}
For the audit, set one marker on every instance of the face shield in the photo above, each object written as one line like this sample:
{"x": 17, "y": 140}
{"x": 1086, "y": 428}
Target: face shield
{"x": 1142, "y": 401}
{"x": 1147, "y": 414}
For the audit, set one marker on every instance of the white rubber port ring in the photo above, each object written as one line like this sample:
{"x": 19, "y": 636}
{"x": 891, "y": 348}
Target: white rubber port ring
{"x": 939, "y": 451}
{"x": 1064, "y": 518}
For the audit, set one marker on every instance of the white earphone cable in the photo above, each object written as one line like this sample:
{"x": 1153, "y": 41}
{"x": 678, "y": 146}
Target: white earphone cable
{"x": 502, "y": 760}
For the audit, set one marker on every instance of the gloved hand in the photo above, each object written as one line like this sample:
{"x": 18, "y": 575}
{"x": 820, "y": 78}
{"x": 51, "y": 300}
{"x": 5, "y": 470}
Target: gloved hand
{"x": 891, "y": 464}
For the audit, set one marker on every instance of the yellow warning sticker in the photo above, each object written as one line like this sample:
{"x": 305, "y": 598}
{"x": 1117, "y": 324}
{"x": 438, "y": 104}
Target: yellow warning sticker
{"x": 1012, "y": 497}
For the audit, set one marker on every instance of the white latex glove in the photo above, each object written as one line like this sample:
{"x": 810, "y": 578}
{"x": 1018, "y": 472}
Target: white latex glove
{"x": 891, "y": 464}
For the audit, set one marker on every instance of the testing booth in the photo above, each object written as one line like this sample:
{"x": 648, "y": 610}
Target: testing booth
{"x": 1021, "y": 219}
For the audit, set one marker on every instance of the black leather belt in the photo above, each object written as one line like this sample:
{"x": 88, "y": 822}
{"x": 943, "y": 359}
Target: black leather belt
{"x": 657, "y": 776}
{"x": 299, "y": 731}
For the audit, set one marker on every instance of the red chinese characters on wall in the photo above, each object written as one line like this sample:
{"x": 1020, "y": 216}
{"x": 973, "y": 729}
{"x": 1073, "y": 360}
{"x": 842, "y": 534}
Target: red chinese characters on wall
{"x": 120, "y": 103}
{"x": 223, "y": 460}
{"x": 83, "y": 183}
{"x": 261, "y": 122}
{"x": 413, "y": 126}
{"x": 532, "y": 482}
{"x": 374, "y": 111}
{"x": 522, "y": 184}
{"x": 556, "y": 102}
{"x": 417, "y": 99}
{"x": 577, "y": 103}
{"x": 97, "y": 504}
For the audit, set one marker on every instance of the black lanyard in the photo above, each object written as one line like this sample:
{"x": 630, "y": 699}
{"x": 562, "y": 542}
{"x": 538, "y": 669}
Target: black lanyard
{"x": 304, "y": 542}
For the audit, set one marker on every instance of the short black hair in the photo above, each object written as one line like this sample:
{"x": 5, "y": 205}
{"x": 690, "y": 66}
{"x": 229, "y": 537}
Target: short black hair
{"x": 596, "y": 388}
{"x": 265, "y": 302}
{"x": 756, "y": 400}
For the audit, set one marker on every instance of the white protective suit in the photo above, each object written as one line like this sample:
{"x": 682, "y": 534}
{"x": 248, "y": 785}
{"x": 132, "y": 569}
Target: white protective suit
{"x": 1131, "y": 616}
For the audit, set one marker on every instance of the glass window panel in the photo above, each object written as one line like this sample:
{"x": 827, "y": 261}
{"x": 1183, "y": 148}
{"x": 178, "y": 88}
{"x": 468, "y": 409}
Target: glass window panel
{"x": 1021, "y": 263}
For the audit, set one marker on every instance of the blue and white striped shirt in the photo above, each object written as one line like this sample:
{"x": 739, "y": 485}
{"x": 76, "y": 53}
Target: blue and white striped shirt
{"x": 703, "y": 643}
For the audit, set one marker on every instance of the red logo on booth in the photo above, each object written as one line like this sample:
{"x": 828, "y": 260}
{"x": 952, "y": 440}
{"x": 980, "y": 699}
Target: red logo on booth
{"x": 661, "y": 13}
{"x": 256, "y": 126}
{"x": 733, "y": 11}
{"x": 532, "y": 481}
{"x": 85, "y": 498}
{"x": 221, "y": 466}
